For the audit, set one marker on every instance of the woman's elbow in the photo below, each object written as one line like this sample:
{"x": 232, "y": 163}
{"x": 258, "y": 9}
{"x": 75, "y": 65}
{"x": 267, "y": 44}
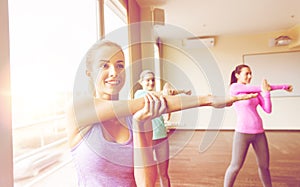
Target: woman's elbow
{"x": 268, "y": 110}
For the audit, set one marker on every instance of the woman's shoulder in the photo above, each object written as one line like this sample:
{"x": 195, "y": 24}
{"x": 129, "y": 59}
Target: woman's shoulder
{"x": 234, "y": 86}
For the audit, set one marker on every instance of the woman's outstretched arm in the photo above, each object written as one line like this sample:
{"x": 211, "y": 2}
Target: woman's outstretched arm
{"x": 245, "y": 89}
{"x": 286, "y": 87}
{"x": 85, "y": 111}
{"x": 90, "y": 110}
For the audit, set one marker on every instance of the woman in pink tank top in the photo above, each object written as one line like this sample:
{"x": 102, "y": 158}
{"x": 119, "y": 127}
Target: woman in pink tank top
{"x": 249, "y": 128}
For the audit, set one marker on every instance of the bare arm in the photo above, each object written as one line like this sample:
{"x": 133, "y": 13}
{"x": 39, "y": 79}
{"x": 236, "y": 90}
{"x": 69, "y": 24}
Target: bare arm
{"x": 86, "y": 111}
{"x": 144, "y": 165}
{"x": 170, "y": 90}
{"x": 89, "y": 110}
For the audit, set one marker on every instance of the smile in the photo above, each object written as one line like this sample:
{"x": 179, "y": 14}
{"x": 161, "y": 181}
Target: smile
{"x": 113, "y": 82}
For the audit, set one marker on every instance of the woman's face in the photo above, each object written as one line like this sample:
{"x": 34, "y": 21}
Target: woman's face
{"x": 148, "y": 82}
{"x": 108, "y": 72}
{"x": 244, "y": 77}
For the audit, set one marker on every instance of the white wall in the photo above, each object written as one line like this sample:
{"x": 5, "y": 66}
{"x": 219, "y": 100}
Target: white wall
{"x": 228, "y": 52}
{"x": 195, "y": 69}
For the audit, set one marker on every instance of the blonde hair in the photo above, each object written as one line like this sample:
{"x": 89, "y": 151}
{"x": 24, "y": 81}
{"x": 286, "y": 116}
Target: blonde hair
{"x": 89, "y": 57}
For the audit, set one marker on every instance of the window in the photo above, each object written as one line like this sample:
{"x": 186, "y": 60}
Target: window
{"x": 115, "y": 23}
{"x": 157, "y": 66}
{"x": 48, "y": 39}
{"x": 115, "y": 16}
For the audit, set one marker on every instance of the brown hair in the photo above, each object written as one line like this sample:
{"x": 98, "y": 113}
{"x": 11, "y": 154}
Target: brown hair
{"x": 237, "y": 70}
{"x": 145, "y": 72}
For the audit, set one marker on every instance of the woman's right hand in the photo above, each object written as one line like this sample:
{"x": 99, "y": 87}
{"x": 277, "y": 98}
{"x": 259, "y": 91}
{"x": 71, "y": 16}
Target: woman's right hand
{"x": 153, "y": 107}
{"x": 289, "y": 88}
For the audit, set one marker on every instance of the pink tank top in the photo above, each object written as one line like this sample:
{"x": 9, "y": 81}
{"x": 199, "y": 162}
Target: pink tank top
{"x": 99, "y": 162}
{"x": 248, "y": 119}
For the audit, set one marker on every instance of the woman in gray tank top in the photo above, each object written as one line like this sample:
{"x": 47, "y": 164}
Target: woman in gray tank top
{"x": 107, "y": 136}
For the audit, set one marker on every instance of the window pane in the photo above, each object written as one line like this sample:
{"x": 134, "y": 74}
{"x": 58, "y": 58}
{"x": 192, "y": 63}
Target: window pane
{"x": 115, "y": 19}
{"x": 115, "y": 16}
{"x": 48, "y": 39}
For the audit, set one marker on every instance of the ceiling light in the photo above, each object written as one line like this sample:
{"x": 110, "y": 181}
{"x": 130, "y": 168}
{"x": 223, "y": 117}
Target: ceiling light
{"x": 282, "y": 40}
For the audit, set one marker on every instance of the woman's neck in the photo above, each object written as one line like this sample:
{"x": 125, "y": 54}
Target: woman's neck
{"x": 107, "y": 96}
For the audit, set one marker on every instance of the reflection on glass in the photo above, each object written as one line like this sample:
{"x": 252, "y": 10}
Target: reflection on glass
{"x": 47, "y": 41}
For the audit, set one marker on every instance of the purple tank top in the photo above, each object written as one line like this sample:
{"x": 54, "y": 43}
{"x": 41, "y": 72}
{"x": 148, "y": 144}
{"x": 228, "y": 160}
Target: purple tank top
{"x": 99, "y": 162}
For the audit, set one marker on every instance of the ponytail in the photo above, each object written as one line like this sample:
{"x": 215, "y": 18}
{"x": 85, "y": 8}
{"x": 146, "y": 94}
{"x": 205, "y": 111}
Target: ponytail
{"x": 233, "y": 78}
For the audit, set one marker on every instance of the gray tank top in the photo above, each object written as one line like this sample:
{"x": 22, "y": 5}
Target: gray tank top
{"x": 99, "y": 162}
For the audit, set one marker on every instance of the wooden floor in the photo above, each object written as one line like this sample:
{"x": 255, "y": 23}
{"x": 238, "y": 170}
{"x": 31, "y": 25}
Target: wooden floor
{"x": 192, "y": 166}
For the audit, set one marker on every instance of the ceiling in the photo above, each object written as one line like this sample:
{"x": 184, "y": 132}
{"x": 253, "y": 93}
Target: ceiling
{"x": 225, "y": 17}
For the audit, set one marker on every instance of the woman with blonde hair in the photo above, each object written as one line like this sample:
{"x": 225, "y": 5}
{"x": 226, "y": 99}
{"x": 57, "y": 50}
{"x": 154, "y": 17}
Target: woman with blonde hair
{"x": 107, "y": 135}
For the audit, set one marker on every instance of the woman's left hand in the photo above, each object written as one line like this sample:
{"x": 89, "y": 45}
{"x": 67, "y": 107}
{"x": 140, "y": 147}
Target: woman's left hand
{"x": 265, "y": 86}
